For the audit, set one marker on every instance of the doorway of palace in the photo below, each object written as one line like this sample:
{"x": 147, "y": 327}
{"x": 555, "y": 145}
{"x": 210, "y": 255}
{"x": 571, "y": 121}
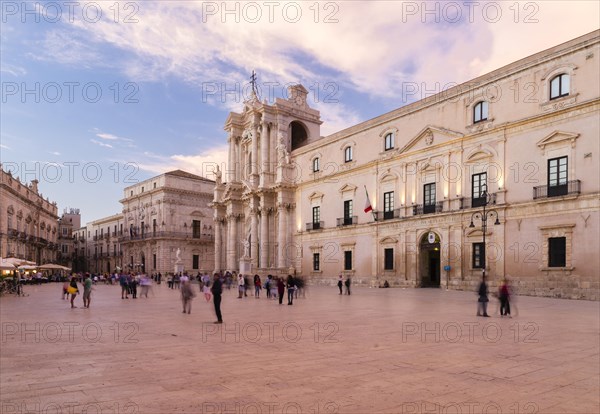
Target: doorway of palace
{"x": 143, "y": 267}
{"x": 429, "y": 260}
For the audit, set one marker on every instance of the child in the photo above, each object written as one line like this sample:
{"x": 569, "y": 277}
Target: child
{"x": 206, "y": 291}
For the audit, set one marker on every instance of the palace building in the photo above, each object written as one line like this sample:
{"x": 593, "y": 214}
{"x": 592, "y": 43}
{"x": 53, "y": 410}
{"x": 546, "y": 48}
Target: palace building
{"x": 28, "y": 221}
{"x": 500, "y": 175}
{"x": 162, "y": 215}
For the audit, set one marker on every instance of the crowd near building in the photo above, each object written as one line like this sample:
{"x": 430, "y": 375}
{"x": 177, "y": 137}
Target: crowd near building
{"x": 499, "y": 174}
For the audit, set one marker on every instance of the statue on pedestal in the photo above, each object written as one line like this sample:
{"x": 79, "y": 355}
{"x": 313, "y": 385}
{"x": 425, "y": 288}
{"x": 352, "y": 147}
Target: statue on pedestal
{"x": 283, "y": 157}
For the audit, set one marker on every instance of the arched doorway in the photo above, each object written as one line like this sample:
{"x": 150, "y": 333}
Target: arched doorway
{"x": 298, "y": 134}
{"x": 429, "y": 260}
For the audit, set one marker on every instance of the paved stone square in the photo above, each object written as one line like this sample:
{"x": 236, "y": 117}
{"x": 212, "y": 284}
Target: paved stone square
{"x": 375, "y": 351}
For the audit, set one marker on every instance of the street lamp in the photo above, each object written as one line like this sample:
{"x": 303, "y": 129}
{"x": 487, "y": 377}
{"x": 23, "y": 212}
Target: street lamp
{"x": 483, "y": 216}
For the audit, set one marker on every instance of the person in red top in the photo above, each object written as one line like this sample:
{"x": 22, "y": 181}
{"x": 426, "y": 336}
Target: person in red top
{"x": 257, "y": 286}
{"x": 504, "y": 296}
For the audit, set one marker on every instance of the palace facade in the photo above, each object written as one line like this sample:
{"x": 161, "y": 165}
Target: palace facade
{"x": 28, "y": 221}
{"x": 163, "y": 214}
{"x": 500, "y": 175}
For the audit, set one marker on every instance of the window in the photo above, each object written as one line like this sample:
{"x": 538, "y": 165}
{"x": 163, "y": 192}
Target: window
{"x": 316, "y": 262}
{"x": 143, "y": 227}
{"x": 154, "y": 226}
{"x": 388, "y": 255}
{"x": 316, "y": 217}
{"x": 154, "y": 261}
{"x": 429, "y": 198}
{"x": 131, "y": 194}
{"x": 480, "y": 112}
{"x": 316, "y": 164}
{"x": 195, "y": 261}
{"x": 347, "y": 212}
{"x": 478, "y": 256}
{"x": 557, "y": 248}
{"x": 557, "y": 177}
{"x": 389, "y": 141}
{"x": 348, "y": 154}
{"x": 153, "y": 185}
{"x": 196, "y": 229}
{"x": 348, "y": 260}
{"x": 142, "y": 189}
{"x": 559, "y": 86}
{"x": 478, "y": 186}
{"x": 388, "y": 205}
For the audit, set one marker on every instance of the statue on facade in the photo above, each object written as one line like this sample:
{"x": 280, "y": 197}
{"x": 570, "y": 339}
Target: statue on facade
{"x": 283, "y": 157}
{"x": 246, "y": 248}
{"x": 178, "y": 255}
{"x": 218, "y": 176}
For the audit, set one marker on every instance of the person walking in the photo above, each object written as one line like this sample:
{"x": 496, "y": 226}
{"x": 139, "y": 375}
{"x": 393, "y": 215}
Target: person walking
{"x": 483, "y": 299}
{"x": 348, "y": 283}
{"x": 87, "y": 290}
{"x": 504, "y": 296}
{"x": 124, "y": 287}
{"x": 241, "y": 286}
{"x": 217, "y": 289}
{"x": 291, "y": 287}
{"x": 340, "y": 284}
{"x": 73, "y": 290}
{"x": 257, "y": 286}
{"x": 280, "y": 290}
{"x": 187, "y": 294}
{"x": 268, "y": 286}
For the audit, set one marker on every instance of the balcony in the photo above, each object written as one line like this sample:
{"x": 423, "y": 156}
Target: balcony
{"x": 420, "y": 209}
{"x": 347, "y": 221}
{"x": 95, "y": 238}
{"x": 167, "y": 235}
{"x": 387, "y": 215}
{"x": 571, "y": 188}
{"x": 475, "y": 202}
{"x": 315, "y": 225}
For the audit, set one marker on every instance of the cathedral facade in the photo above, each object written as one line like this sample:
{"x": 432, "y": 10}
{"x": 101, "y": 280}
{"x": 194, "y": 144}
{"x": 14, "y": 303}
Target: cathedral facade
{"x": 497, "y": 176}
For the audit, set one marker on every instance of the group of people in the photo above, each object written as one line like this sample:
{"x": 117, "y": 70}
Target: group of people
{"x": 70, "y": 288}
{"x": 503, "y": 296}
{"x": 341, "y": 283}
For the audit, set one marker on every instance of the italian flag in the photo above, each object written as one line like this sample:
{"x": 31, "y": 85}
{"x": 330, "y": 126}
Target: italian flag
{"x": 368, "y": 206}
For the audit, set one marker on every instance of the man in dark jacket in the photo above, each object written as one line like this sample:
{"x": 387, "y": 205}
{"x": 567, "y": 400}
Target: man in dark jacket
{"x": 217, "y": 289}
{"x": 483, "y": 298}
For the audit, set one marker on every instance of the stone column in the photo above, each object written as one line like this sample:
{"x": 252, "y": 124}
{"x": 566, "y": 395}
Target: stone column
{"x": 264, "y": 153}
{"x": 230, "y": 173}
{"x": 218, "y": 249}
{"x": 281, "y": 235}
{"x": 255, "y": 158}
{"x": 264, "y": 236}
{"x": 254, "y": 236}
{"x": 231, "y": 241}
{"x": 290, "y": 226}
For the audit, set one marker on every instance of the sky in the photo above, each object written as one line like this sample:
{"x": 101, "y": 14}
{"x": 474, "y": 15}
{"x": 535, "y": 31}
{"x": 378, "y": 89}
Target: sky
{"x": 96, "y": 96}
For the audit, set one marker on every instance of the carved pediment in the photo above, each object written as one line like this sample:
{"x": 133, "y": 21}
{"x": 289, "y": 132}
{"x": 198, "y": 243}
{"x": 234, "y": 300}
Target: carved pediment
{"x": 348, "y": 188}
{"x": 316, "y": 196}
{"x": 388, "y": 240}
{"x": 430, "y": 135}
{"x": 558, "y": 137}
{"x": 480, "y": 153}
{"x": 197, "y": 213}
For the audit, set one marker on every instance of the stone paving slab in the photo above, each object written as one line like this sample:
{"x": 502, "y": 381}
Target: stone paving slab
{"x": 376, "y": 351}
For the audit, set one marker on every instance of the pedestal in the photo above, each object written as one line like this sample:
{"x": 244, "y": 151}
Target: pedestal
{"x": 245, "y": 265}
{"x": 178, "y": 268}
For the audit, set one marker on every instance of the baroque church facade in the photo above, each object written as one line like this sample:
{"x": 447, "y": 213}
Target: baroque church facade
{"x": 498, "y": 176}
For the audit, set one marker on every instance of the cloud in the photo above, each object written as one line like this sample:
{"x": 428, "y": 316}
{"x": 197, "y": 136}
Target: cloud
{"x": 13, "y": 70}
{"x": 54, "y": 152}
{"x": 107, "y": 136}
{"x": 203, "y": 164}
{"x": 102, "y": 144}
{"x": 4, "y": 146}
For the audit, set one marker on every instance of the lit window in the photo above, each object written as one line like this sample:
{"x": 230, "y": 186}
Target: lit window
{"x": 480, "y": 112}
{"x": 559, "y": 86}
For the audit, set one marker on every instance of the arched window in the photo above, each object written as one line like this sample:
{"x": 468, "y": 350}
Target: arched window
{"x": 348, "y": 154}
{"x": 480, "y": 112}
{"x": 559, "y": 86}
{"x": 316, "y": 164}
{"x": 389, "y": 141}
